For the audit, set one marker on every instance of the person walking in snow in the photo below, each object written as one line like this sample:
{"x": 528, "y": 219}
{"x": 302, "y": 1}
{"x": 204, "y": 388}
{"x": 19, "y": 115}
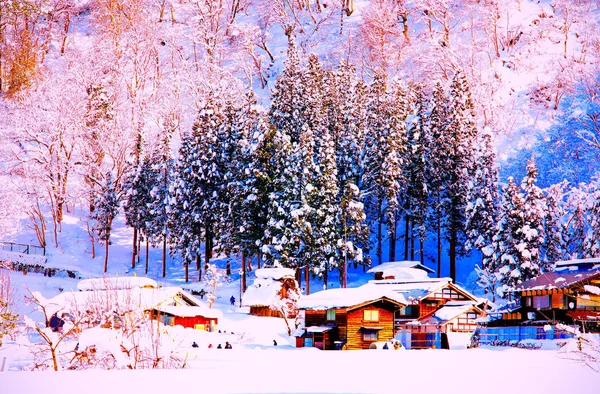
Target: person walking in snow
{"x": 232, "y": 300}
{"x": 274, "y": 342}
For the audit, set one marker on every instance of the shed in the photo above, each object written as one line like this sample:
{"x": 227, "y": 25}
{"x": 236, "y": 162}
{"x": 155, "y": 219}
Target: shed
{"x": 274, "y": 290}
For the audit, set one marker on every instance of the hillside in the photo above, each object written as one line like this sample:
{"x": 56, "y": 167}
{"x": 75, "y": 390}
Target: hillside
{"x": 93, "y": 90}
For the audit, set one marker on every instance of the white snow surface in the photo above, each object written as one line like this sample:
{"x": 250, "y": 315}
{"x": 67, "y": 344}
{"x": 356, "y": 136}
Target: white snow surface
{"x": 342, "y": 298}
{"x": 190, "y": 311}
{"x": 275, "y": 273}
{"x": 391, "y": 267}
{"x": 117, "y": 282}
{"x": 263, "y": 292}
{"x": 592, "y": 289}
{"x": 452, "y": 310}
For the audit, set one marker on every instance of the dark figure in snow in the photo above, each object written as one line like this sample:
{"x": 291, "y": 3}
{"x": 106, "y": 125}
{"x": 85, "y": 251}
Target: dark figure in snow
{"x": 274, "y": 342}
{"x": 56, "y": 323}
{"x": 227, "y": 345}
{"x": 445, "y": 344}
{"x": 219, "y": 347}
{"x": 194, "y": 344}
{"x": 202, "y": 293}
{"x": 232, "y": 300}
{"x": 385, "y": 346}
{"x": 210, "y": 346}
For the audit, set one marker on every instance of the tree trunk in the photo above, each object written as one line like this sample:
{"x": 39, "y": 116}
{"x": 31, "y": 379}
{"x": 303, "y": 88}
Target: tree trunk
{"x": 379, "y": 237}
{"x": 164, "y": 257}
{"x": 412, "y": 241}
{"x": 452, "y": 253}
{"x": 243, "y": 271}
{"x": 406, "y": 234}
{"x": 307, "y": 280}
{"x": 106, "y": 256}
{"x": 199, "y": 267}
{"x": 146, "y": 268}
{"x": 134, "y": 251}
{"x": 139, "y": 247}
{"x": 439, "y": 240}
{"x": 393, "y": 237}
{"x": 187, "y": 272}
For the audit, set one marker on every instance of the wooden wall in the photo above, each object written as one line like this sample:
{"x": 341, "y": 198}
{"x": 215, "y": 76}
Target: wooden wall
{"x": 356, "y": 321}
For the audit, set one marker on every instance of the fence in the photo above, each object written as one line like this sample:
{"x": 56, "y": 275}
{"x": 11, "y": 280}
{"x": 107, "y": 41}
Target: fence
{"x": 487, "y": 335}
{"x": 23, "y": 248}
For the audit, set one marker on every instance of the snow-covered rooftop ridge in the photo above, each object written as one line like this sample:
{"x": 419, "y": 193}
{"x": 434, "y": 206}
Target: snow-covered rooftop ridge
{"x": 275, "y": 273}
{"x": 567, "y": 263}
{"x": 348, "y": 297}
{"x": 116, "y": 283}
{"x": 393, "y": 265}
{"x": 190, "y": 311}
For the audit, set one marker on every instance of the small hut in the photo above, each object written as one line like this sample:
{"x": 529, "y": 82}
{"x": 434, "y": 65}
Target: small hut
{"x": 197, "y": 317}
{"x": 274, "y": 291}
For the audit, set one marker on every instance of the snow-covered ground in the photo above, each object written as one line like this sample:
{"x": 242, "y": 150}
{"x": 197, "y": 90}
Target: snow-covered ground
{"x": 259, "y": 369}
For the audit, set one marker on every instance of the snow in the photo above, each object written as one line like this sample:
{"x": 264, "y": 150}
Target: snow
{"x": 118, "y": 282}
{"x": 343, "y": 298}
{"x": 275, "y": 273}
{"x": 450, "y": 311}
{"x": 389, "y": 268}
{"x": 592, "y": 289}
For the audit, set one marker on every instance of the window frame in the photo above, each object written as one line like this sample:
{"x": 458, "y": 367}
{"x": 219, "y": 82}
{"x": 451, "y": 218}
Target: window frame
{"x": 368, "y": 315}
{"x": 330, "y": 315}
{"x": 370, "y": 335}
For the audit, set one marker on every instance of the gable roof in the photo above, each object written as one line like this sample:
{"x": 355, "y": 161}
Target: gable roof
{"x": 189, "y": 311}
{"x": 592, "y": 263}
{"x": 138, "y": 297}
{"x": 392, "y": 266}
{"x": 450, "y": 311}
{"x": 557, "y": 280}
{"x": 349, "y": 298}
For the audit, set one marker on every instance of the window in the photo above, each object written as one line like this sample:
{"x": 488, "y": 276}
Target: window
{"x": 527, "y": 301}
{"x": 370, "y": 335}
{"x": 371, "y": 315}
{"x": 541, "y": 302}
{"x": 331, "y": 314}
{"x": 308, "y": 342}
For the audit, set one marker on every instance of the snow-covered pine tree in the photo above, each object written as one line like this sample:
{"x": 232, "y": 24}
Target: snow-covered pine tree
{"x": 483, "y": 201}
{"x": 578, "y": 201}
{"x": 531, "y": 237}
{"x": 437, "y": 148}
{"x": 591, "y": 243}
{"x": 286, "y": 105}
{"x": 500, "y": 267}
{"x": 394, "y": 181}
{"x": 461, "y": 132}
{"x": 415, "y": 170}
{"x": 137, "y": 186}
{"x": 372, "y": 177}
{"x": 106, "y": 205}
{"x": 322, "y": 240}
{"x": 158, "y": 207}
{"x": 555, "y": 245}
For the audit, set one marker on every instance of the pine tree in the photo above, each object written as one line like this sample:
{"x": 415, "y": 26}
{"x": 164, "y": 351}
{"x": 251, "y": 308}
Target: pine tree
{"x": 482, "y": 206}
{"x": 532, "y": 235}
{"x": 106, "y": 206}
{"x": 417, "y": 191}
{"x": 502, "y": 259}
{"x": 437, "y": 148}
{"x": 555, "y": 245}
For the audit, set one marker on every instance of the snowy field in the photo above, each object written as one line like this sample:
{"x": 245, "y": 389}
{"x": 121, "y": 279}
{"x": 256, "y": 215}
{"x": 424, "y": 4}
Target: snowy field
{"x": 289, "y": 370}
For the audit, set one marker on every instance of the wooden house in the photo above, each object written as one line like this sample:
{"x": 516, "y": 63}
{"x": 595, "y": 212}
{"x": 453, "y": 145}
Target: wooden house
{"x": 351, "y": 318}
{"x": 569, "y": 295}
{"x": 434, "y": 305}
{"x": 197, "y": 317}
{"x": 273, "y": 292}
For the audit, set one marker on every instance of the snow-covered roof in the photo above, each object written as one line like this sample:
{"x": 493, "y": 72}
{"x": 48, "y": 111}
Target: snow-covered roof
{"x": 556, "y": 280}
{"x": 450, "y": 311}
{"x": 318, "y": 329}
{"x": 391, "y": 266}
{"x": 265, "y": 289}
{"x": 275, "y": 273}
{"x": 114, "y": 283}
{"x": 413, "y": 290}
{"x": 348, "y": 297}
{"x": 190, "y": 311}
{"x": 141, "y": 298}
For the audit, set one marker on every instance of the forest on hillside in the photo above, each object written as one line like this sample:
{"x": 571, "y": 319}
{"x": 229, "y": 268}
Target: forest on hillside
{"x": 311, "y": 134}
